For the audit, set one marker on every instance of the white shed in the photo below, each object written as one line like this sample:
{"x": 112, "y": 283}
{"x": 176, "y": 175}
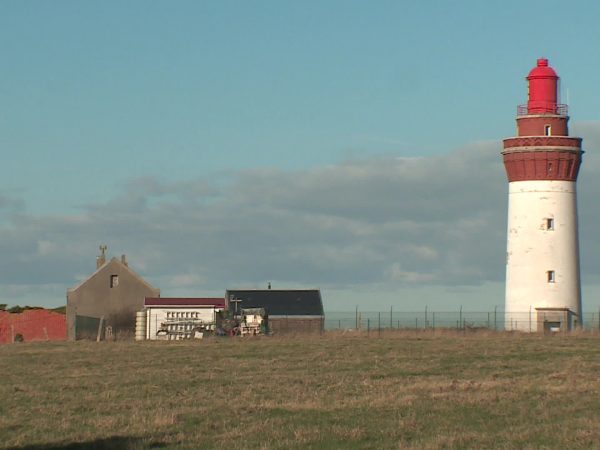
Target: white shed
{"x": 180, "y": 318}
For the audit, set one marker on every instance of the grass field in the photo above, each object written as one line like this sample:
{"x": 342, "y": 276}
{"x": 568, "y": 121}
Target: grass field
{"x": 402, "y": 390}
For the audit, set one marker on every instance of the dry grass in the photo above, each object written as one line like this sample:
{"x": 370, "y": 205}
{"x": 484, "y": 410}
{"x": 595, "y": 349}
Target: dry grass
{"x": 403, "y": 390}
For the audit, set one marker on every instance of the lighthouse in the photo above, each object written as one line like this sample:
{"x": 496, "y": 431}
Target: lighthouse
{"x": 543, "y": 289}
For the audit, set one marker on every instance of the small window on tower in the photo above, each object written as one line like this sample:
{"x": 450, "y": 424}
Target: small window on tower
{"x": 549, "y": 224}
{"x": 551, "y": 276}
{"x": 114, "y": 281}
{"x": 547, "y": 130}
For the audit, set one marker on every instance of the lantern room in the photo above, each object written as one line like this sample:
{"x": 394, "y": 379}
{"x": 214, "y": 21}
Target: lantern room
{"x": 543, "y": 89}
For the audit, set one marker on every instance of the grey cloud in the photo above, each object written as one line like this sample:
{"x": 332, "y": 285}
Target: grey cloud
{"x": 388, "y": 221}
{"x": 588, "y": 192}
{"x": 10, "y": 203}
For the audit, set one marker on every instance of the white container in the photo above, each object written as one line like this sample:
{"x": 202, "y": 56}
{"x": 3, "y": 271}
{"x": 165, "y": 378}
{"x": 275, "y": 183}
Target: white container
{"x": 140, "y": 325}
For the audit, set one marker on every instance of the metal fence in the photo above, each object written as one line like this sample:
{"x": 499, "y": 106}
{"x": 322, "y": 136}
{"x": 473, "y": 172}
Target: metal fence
{"x": 432, "y": 319}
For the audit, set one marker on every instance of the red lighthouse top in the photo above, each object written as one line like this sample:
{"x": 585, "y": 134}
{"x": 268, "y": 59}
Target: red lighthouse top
{"x": 542, "y": 149}
{"x": 543, "y": 89}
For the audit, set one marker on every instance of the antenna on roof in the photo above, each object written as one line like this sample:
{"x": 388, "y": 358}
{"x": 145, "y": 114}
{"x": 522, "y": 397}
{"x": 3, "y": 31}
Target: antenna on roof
{"x": 101, "y": 259}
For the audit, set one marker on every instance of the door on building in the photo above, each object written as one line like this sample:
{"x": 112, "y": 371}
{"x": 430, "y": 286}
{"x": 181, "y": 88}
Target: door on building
{"x": 551, "y": 327}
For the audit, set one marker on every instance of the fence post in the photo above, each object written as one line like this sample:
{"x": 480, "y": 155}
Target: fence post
{"x": 356, "y": 317}
{"x": 433, "y": 314}
{"x": 460, "y": 316}
{"x": 379, "y": 325}
{"x": 339, "y": 324}
{"x": 530, "y": 318}
{"x": 391, "y": 317}
{"x": 495, "y": 322}
{"x": 100, "y": 329}
{"x": 368, "y": 326}
{"x": 425, "y": 324}
{"x": 488, "y": 320}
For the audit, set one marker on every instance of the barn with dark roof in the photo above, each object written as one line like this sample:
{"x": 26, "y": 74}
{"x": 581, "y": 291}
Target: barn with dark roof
{"x": 289, "y": 310}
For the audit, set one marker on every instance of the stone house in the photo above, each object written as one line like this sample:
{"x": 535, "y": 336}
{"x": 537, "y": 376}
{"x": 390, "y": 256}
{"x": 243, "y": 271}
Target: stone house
{"x": 107, "y": 300}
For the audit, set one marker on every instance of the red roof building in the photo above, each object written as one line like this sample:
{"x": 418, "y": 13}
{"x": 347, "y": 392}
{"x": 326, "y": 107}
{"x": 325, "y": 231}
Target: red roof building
{"x": 217, "y": 302}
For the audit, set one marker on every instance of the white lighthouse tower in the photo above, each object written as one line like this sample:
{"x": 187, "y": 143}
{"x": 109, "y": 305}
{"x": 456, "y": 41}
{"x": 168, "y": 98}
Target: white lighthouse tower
{"x": 543, "y": 290}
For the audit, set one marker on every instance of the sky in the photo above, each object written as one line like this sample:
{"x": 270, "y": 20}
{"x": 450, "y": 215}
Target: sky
{"x": 352, "y": 146}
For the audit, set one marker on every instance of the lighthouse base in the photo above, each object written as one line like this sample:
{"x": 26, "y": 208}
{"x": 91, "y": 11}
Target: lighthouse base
{"x": 542, "y": 265}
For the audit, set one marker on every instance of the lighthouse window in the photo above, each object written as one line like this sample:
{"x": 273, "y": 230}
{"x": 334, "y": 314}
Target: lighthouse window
{"x": 551, "y": 276}
{"x": 549, "y": 224}
{"x": 547, "y": 130}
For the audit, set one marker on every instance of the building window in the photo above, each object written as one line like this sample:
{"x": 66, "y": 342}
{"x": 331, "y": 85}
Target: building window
{"x": 547, "y": 130}
{"x": 114, "y": 281}
{"x": 551, "y": 276}
{"x": 549, "y": 224}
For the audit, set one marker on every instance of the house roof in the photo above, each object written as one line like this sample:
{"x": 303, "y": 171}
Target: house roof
{"x": 279, "y": 302}
{"x": 107, "y": 264}
{"x": 217, "y": 302}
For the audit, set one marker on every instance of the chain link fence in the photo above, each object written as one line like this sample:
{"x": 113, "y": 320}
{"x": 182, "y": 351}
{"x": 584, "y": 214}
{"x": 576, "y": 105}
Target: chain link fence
{"x": 432, "y": 319}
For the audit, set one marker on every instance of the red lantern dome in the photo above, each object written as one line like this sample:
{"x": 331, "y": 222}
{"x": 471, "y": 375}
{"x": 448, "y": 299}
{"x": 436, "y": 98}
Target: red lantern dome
{"x": 543, "y": 89}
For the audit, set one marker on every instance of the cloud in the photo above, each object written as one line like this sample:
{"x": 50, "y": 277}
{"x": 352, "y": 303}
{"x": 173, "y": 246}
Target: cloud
{"x": 10, "y": 204}
{"x": 381, "y": 222}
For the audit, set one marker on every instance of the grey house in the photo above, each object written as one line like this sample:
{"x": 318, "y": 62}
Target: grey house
{"x": 289, "y": 310}
{"x": 113, "y": 294}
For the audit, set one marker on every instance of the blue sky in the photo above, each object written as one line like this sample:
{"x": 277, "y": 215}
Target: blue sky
{"x": 94, "y": 93}
{"x": 98, "y": 95}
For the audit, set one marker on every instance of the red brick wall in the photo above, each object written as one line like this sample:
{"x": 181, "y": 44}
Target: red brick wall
{"x": 542, "y": 165}
{"x": 536, "y": 126}
{"x": 33, "y": 325}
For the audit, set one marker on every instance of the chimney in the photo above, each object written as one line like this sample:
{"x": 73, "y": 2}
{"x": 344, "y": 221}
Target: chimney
{"x": 124, "y": 260}
{"x": 101, "y": 258}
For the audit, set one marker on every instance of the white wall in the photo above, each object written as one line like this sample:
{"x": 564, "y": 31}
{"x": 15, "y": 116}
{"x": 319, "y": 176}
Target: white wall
{"x": 532, "y": 250}
{"x": 157, "y": 315}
